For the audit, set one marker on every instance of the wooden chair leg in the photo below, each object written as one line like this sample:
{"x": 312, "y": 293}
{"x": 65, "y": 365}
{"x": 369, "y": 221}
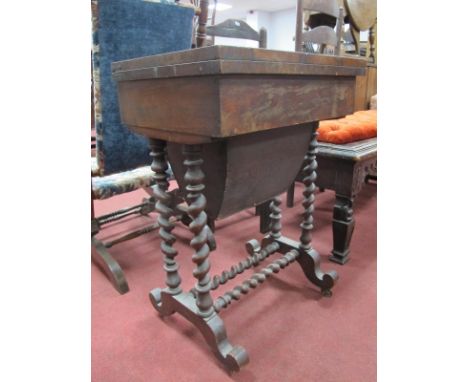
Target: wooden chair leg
{"x": 109, "y": 266}
{"x": 343, "y": 227}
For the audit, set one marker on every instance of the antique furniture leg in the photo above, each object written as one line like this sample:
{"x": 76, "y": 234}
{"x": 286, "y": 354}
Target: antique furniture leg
{"x": 163, "y": 206}
{"x": 109, "y": 265}
{"x": 310, "y": 261}
{"x": 343, "y": 227}
{"x": 99, "y": 250}
{"x": 104, "y": 259}
{"x": 307, "y": 257}
{"x": 290, "y": 195}
{"x": 197, "y": 306}
{"x": 262, "y": 210}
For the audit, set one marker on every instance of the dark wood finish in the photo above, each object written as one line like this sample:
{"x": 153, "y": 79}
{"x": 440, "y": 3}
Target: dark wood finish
{"x": 198, "y": 307}
{"x": 264, "y": 90}
{"x": 344, "y": 169}
{"x": 251, "y": 111}
{"x": 163, "y": 206}
{"x": 155, "y": 65}
{"x": 343, "y": 228}
{"x": 239, "y": 167}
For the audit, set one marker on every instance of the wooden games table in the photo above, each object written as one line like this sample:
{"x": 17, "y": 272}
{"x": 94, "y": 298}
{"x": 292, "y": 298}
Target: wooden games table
{"x": 246, "y": 118}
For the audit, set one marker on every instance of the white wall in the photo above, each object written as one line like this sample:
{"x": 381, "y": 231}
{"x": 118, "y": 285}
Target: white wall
{"x": 282, "y": 30}
{"x": 280, "y": 26}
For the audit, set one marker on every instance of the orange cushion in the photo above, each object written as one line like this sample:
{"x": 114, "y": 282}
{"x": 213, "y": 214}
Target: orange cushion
{"x": 354, "y": 127}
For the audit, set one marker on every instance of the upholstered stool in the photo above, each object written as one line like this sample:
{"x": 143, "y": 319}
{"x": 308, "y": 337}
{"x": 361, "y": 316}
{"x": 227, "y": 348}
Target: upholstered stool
{"x": 347, "y": 158}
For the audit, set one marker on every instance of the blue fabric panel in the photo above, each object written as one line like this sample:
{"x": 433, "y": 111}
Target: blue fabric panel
{"x": 129, "y": 29}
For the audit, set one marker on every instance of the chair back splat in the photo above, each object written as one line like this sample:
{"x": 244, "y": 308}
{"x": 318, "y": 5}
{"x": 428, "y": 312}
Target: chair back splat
{"x": 324, "y": 24}
{"x": 230, "y": 28}
{"x": 233, "y": 28}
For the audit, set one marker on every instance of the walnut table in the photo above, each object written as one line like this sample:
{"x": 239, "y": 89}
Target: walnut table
{"x": 235, "y": 124}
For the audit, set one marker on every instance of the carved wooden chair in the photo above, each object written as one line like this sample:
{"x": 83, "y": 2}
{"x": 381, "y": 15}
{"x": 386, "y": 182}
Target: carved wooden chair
{"x": 125, "y": 29}
{"x": 239, "y": 29}
{"x": 323, "y": 27}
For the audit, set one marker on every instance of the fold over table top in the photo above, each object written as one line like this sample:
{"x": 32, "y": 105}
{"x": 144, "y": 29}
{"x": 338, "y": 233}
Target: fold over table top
{"x": 217, "y": 92}
{"x": 220, "y": 59}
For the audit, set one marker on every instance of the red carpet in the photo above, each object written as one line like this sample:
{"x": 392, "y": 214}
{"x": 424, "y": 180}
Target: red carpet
{"x": 290, "y": 332}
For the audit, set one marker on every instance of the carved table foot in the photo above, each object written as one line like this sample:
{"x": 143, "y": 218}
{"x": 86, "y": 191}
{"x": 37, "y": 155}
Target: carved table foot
{"x": 309, "y": 260}
{"x": 156, "y": 299}
{"x": 343, "y": 227}
{"x": 212, "y": 328}
{"x": 310, "y": 264}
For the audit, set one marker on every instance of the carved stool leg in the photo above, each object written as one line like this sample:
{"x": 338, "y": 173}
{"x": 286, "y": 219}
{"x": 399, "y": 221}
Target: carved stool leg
{"x": 310, "y": 259}
{"x": 165, "y": 210}
{"x": 343, "y": 227}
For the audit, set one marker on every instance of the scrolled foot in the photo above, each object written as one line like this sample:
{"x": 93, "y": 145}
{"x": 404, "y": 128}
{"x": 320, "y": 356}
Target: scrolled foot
{"x": 156, "y": 300}
{"x": 212, "y": 328}
{"x": 310, "y": 264}
{"x": 252, "y": 247}
{"x": 236, "y": 358}
{"x": 232, "y": 357}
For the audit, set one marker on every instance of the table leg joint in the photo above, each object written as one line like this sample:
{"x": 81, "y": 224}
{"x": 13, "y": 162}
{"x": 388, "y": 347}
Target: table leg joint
{"x": 309, "y": 260}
